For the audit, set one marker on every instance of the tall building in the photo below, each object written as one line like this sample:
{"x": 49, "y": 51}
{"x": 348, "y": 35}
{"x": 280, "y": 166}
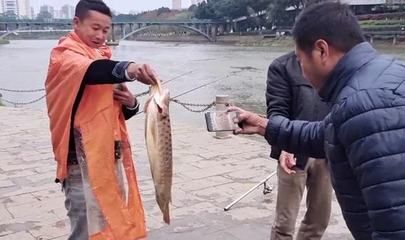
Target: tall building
{"x": 67, "y": 12}
{"x": 24, "y": 8}
{"x": 21, "y": 8}
{"x": 10, "y": 6}
{"x": 47, "y": 8}
{"x": 57, "y": 14}
{"x": 176, "y": 4}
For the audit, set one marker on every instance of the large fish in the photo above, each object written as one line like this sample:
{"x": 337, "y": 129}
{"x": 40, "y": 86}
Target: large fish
{"x": 159, "y": 145}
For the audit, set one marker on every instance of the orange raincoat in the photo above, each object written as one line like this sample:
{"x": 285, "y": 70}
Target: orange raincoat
{"x": 100, "y": 122}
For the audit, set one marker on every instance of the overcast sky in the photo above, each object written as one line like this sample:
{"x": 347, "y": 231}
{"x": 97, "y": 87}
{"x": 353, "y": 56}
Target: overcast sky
{"x": 122, "y": 6}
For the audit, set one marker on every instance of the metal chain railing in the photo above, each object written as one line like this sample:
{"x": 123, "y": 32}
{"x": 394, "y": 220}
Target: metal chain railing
{"x": 22, "y": 91}
{"x": 142, "y": 94}
{"x": 22, "y": 103}
{"x": 191, "y": 106}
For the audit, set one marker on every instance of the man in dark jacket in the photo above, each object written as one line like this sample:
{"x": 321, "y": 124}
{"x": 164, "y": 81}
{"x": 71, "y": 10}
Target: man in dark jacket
{"x": 290, "y": 95}
{"x": 363, "y": 135}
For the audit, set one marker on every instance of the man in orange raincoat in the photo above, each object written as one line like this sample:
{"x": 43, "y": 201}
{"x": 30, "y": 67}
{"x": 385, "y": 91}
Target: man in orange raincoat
{"x": 88, "y": 104}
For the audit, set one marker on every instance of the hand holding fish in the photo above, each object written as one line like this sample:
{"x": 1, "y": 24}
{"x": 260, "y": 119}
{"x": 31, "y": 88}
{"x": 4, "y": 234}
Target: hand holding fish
{"x": 124, "y": 96}
{"x": 142, "y": 73}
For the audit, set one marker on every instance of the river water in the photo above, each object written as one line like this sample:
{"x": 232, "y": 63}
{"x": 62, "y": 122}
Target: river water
{"x": 23, "y": 66}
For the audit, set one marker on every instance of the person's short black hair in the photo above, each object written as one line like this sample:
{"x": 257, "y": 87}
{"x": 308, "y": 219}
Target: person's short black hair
{"x": 84, "y": 6}
{"x": 331, "y": 21}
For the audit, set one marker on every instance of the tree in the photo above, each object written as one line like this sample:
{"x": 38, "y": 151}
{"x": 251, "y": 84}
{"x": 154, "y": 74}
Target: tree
{"x": 124, "y": 18}
{"x": 230, "y": 9}
{"x": 163, "y": 10}
{"x": 205, "y": 10}
{"x": 259, "y": 5}
{"x": 9, "y": 16}
{"x": 280, "y": 12}
{"x": 284, "y": 12}
{"x": 192, "y": 8}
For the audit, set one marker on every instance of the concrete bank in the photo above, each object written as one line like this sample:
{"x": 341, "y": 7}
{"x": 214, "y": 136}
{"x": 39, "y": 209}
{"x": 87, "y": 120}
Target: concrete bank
{"x": 209, "y": 174}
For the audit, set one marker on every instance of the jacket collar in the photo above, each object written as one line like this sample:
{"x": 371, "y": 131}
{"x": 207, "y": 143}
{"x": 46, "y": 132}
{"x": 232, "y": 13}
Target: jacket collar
{"x": 73, "y": 42}
{"x": 351, "y": 62}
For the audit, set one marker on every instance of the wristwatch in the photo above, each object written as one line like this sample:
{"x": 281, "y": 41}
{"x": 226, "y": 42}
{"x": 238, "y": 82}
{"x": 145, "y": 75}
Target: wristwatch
{"x": 135, "y": 107}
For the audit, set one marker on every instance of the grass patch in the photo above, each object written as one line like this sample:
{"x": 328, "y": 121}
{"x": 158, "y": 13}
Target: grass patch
{"x": 382, "y": 22}
{"x": 397, "y": 26}
{"x": 4, "y": 41}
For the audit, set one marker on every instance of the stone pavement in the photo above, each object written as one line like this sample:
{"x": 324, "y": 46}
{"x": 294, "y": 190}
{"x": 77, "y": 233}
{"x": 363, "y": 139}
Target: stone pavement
{"x": 209, "y": 174}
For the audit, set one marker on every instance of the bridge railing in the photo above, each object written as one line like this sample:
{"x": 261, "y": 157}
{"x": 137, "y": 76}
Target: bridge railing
{"x": 69, "y": 22}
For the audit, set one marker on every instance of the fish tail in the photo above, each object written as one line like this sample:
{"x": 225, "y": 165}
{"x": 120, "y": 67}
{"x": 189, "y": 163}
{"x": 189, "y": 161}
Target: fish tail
{"x": 166, "y": 215}
{"x": 164, "y": 207}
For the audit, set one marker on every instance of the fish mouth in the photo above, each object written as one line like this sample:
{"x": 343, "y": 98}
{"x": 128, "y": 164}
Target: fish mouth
{"x": 159, "y": 107}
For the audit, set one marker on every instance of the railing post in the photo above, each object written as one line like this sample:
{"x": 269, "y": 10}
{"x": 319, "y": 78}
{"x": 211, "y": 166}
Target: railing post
{"x": 113, "y": 33}
{"x": 123, "y": 30}
{"x": 214, "y": 32}
{"x": 222, "y": 102}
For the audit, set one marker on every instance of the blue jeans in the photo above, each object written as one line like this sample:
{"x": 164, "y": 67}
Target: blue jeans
{"x": 75, "y": 204}
{"x": 83, "y": 211}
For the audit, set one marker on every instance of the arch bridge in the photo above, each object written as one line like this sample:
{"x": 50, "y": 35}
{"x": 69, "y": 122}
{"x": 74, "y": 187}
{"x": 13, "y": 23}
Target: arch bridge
{"x": 123, "y": 30}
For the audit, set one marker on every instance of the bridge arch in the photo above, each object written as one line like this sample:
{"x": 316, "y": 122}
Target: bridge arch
{"x": 22, "y": 30}
{"x": 171, "y": 25}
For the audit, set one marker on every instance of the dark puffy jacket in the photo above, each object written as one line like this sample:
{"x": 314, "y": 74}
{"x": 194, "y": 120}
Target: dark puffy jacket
{"x": 364, "y": 140}
{"x": 289, "y": 94}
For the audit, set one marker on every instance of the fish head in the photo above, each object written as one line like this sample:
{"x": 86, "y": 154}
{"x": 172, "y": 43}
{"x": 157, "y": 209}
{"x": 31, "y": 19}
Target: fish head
{"x": 162, "y": 100}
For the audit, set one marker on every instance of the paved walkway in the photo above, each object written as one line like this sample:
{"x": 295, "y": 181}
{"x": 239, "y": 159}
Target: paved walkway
{"x": 209, "y": 174}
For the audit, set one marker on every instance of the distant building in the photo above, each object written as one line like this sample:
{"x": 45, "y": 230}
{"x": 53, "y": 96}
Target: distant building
{"x": 372, "y": 2}
{"x": 57, "y": 14}
{"x": 176, "y": 4}
{"x": 47, "y": 8}
{"x": 10, "y": 6}
{"x": 24, "y": 8}
{"x": 46, "y": 13}
{"x": 20, "y": 8}
{"x": 67, "y": 12}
